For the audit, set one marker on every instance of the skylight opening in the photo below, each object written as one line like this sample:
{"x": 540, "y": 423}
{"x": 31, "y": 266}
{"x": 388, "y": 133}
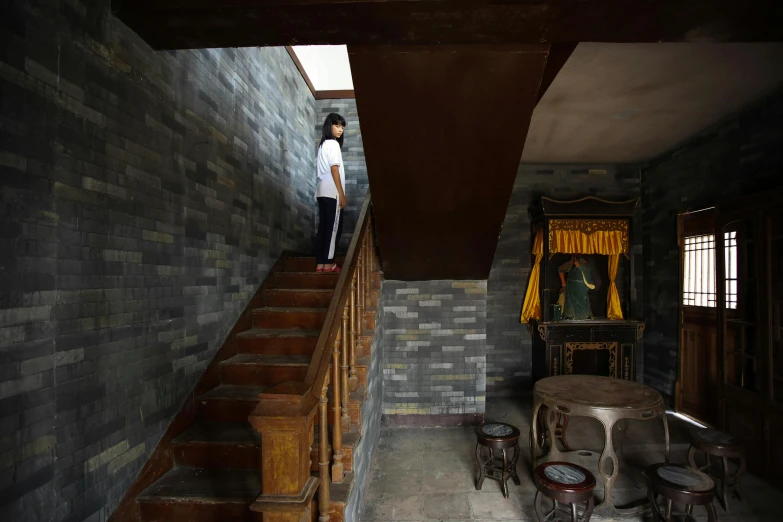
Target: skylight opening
{"x": 326, "y": 66}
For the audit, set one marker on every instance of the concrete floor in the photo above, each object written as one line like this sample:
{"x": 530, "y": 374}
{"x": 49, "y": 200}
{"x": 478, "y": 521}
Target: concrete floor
{"x": 428, "y": 473}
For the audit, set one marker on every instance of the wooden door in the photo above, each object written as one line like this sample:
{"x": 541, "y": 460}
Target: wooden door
{"x": 740, "y": 305}
{"x": 697, "y": 384}
{"x": 773, "y": 224}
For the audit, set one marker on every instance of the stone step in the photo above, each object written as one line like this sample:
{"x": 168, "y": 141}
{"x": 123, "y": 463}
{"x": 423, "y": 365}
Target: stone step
{"x": 254, "y": 369}
{"x": 198, "y": 495}
{"x": 218, "y": 445}
{"x": 283, "y": 317}
{"x": 293, "y": 341}
{"x": 298, "y": 297}
{"x": 229, "y": 403}
{"x": 305, "y": 280}
{"x": 305, "y": 264}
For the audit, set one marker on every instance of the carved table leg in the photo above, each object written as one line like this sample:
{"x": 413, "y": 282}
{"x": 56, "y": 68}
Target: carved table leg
{"x": 608, "y": 456}
{"x": 563, "y": 418}
{"x": 692, "y": 458}
{"x": 534, "y": 435}
{"x": 551, "y": 428}
{"x": 504, "y": 475}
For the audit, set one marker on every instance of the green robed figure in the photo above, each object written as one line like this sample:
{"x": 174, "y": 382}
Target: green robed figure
{"x": 575, "y": 281}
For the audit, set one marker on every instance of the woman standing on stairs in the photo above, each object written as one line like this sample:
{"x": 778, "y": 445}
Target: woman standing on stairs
{"x": 330, "y": 192}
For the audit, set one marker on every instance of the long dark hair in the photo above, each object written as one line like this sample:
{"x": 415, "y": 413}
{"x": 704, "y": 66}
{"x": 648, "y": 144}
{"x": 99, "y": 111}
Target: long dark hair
{"x": 326, "y": 132}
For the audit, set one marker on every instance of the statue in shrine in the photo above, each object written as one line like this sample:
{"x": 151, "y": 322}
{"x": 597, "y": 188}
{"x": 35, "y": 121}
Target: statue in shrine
{"x": 575, "y": 282}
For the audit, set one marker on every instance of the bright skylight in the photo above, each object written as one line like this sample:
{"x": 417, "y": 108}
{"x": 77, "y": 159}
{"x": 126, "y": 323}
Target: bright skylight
{"x": 327, "y": 66}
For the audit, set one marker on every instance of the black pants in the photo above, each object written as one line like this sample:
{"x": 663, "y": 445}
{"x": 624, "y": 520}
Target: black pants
{"x": 330, "y": 227}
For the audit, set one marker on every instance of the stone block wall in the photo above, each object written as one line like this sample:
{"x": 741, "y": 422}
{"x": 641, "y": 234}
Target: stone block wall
{"x": 353, "y": 160}
{"x": 434, "y": 352}
{"x": 144, "y": 197}
{"x": 740, "y": 156}
{"x": 509, "y": 356}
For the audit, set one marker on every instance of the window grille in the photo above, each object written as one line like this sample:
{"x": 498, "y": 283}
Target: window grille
{"x": 730, "y": 247}
{"x": 699, "y": 274}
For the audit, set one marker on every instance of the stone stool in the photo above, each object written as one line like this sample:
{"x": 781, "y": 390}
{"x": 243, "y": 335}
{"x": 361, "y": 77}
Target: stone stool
{"x": 497, "y": 436}
{"x": 714, "y": 443}
{"x": 681, "y": 485}
{"x": 563, "y": 482}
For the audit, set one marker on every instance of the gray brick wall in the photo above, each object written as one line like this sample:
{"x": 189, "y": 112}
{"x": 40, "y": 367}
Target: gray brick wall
{"x": 509, "y": 345}
{"x": 740, "y": 156}
{"x": 353, "y": 160}
{"x": 144, "y": 198}
{"x": 434, "y": 352}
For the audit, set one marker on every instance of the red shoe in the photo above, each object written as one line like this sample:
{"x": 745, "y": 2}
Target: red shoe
{"x": 319, "y": 269}
{"x": 334, "y": 270}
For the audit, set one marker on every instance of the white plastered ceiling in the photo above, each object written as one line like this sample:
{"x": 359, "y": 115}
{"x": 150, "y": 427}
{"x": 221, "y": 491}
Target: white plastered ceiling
{"x": 625, "y": 103}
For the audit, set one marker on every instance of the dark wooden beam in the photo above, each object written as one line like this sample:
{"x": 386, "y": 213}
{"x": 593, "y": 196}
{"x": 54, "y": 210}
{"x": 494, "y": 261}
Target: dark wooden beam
{"x": 335, "y": 95}
{"x": 559, "y": 54}
{"x": 443, "y": 129}
{"x": 173, "y": 24}
{"x": 301, "y": 68}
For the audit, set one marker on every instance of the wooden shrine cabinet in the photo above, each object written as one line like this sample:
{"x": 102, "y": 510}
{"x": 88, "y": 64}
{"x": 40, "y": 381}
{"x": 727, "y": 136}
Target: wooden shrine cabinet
{"x": 597, "y": 232}
{"x": 749, "y": 266}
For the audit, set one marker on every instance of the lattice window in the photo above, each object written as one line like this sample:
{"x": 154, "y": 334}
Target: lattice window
{"x": 698, "y": 286}
{"x": 730, "y": 248}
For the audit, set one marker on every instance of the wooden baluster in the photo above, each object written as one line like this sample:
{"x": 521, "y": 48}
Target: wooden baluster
{"x": 353, "y": 381}
{"x": 369, "y": 246}
{"x": 345, "y": 420}
{"x": 367, "y": 272}
{"x": 337, "y": 432}
{"x": 354, "y": 330}
{"x": 323, "y": 455}
{"x": 360, "y": 301}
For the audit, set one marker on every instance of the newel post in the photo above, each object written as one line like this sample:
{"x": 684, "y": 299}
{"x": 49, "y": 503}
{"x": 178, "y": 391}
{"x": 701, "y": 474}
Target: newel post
{"x": 284, "y": 419}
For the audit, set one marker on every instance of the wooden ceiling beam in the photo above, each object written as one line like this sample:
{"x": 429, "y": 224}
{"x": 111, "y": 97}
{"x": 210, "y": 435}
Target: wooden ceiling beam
{"x": 443, "y": 130}
{"x": 177, "y": 24}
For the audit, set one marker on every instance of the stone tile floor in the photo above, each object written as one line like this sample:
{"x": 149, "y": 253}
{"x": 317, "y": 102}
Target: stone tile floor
{"x": 428, "y": 473}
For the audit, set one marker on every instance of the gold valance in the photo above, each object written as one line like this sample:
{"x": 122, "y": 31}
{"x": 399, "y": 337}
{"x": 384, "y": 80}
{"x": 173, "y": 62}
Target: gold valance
{"x": 588, "y": 236}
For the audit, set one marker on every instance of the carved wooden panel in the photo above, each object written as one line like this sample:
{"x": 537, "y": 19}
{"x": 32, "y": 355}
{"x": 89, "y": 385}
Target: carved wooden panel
{"x": 611, "y": 347}
{"x": 556, "y": 359}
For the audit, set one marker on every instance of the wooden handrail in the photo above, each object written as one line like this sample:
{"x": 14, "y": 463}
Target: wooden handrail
{"x": 319, "y": 364}
{"x": 286, "y": 418}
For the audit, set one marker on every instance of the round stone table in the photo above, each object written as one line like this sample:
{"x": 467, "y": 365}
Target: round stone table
{"x": 604, "y": 398}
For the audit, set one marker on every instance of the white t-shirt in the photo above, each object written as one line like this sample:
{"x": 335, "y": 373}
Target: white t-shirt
{"x": 329, "y": 154}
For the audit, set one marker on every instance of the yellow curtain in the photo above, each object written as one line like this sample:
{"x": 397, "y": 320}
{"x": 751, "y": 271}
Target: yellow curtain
{"x": 613, "y": 310}
{"x": 531, "y": 309}
{"x": 606, "y": 242}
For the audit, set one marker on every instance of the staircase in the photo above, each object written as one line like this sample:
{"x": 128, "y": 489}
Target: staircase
{"x": 216, "y": 472}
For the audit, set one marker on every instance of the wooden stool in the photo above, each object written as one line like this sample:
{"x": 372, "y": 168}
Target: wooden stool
{"x": 561, "y": 424}
{"x": 714, "y": 443}
{"x": 682, "y": 485}
{"x": 497, "y": 436}
{"x": 567, "y": 483}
